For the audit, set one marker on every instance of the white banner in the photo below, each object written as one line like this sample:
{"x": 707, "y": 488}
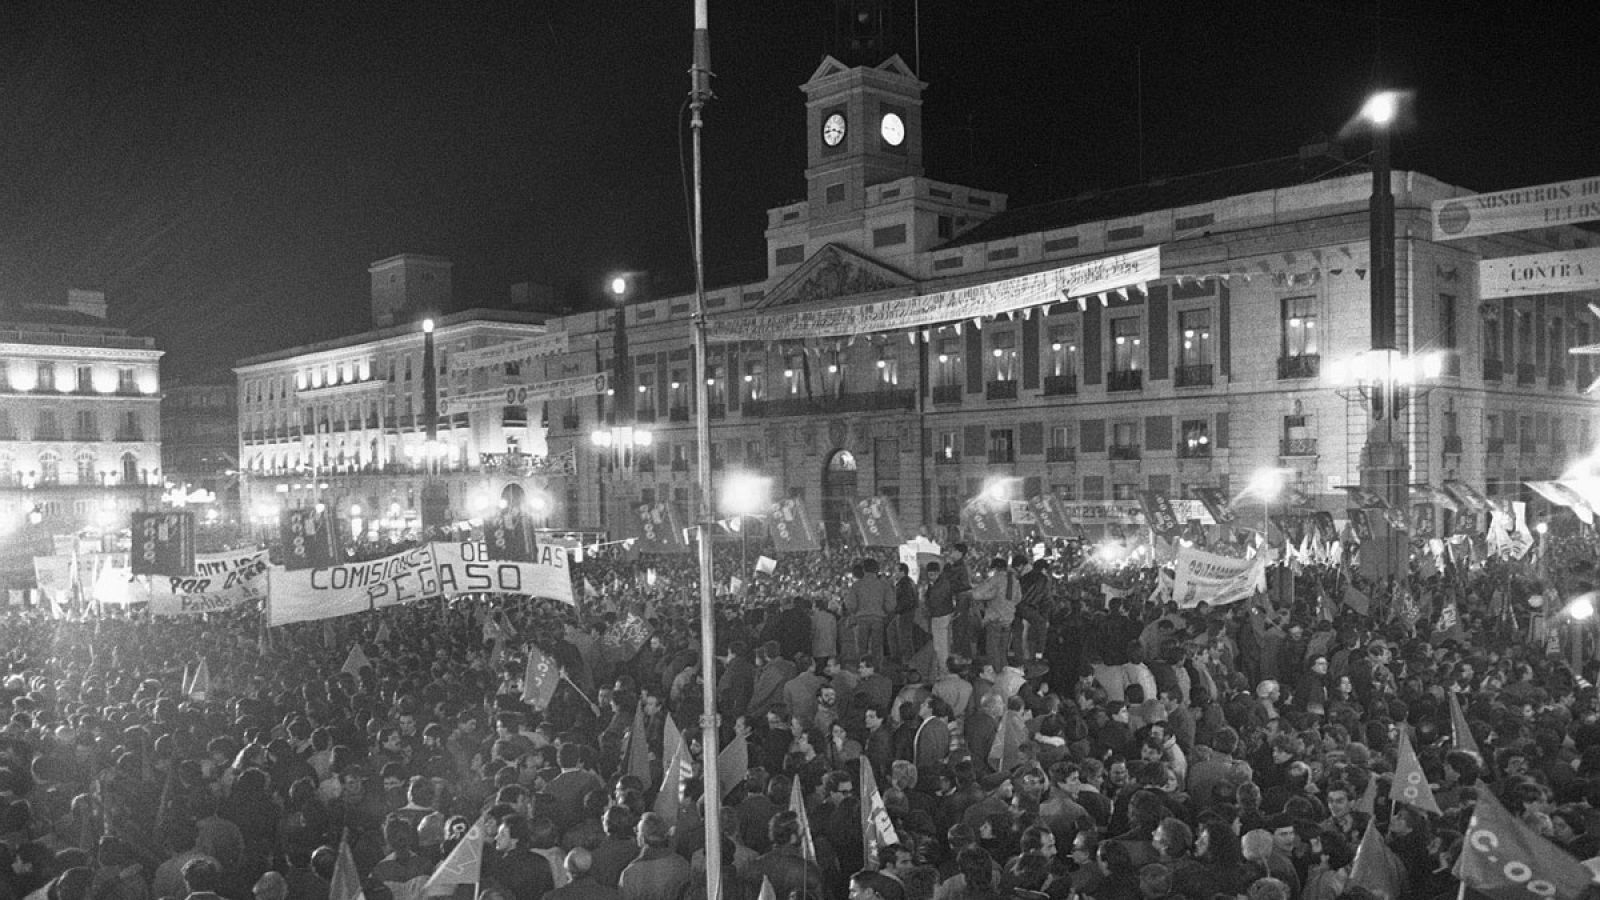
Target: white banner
{"x": 988, "y": 299}
{"x": 1518, "y": 209}
{"x": 1203, "y": 577}
{"x": 306, "y": 595}
{"x": 1539, "y": 273}
{"x": 523, "y": 394}
{"x": 1129, "y": 512}
{"x": 465, "y": 568}
{"x": 220, "y": 581}
{"x": 513, "y": 352}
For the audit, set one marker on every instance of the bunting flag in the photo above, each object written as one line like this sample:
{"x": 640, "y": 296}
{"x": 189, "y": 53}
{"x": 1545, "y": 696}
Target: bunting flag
{"x": 1410, "y": 784}
{"x": 797, "y": 805}
{"x": 1504, "y": 859}
{"x": 1376, "y": 868}
{"x": 589, "y": 590}
{"x": 540, "y": 680}
{"x": 876, "y": 828}
{"x": 733, "y": 764}
{"x": 346, "y": 881}
{"x": 667, "y": 798}
{"x": 1461, "y": 733}
{"x": 355, "y": 661}
{"x": 464, "y": 865}
{"x": 638, "y": 758}
{"x": 384, "y": 634}
{"x": 201, "y": 685}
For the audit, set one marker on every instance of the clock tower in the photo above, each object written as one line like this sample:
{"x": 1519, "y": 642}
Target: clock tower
{"x": 864, "y": 127}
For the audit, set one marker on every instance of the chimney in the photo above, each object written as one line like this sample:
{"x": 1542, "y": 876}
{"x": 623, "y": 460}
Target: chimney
{"x": 90, "y": 303}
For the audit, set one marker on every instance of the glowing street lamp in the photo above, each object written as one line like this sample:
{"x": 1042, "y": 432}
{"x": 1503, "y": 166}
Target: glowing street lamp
{"x": 745, "y": 494}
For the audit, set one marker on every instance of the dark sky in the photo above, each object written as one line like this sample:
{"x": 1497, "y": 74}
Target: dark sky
{"x": 225, "y": 171}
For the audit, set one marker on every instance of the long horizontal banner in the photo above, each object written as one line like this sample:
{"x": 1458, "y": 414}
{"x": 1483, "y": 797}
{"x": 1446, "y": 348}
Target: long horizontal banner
{"x": 437, "y": 569}
{"x": 514, "y": 352}
{"x": 523, "y": 394}
{"x": 989, "y": 299}
{"x": 1518, "y": 209}
{"x": 1539, "y": 273}
{"x": 1131, "y": 512}
{"x": 220, "y": 581}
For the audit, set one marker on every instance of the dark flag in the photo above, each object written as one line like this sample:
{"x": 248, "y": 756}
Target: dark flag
{"x": 508, "y": 537}
{"x": 876, "y": 519}
{"x": 308, "y": 539}
{"x": 1366, "y": 498}
{"x": 791, "y": 527}
{"x": 982, "y": 522}
{"x": 1159, "y": 514}
{"x": 163, "y": 543}
{"x": 659, "y": 531}
{"x": 1216, "y": 503}
{"x": 1360, "y": 525}
{"x": 1050, "y": 516}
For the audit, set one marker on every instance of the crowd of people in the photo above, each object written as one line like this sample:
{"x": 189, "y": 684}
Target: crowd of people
{"x": 1036, "y": 730}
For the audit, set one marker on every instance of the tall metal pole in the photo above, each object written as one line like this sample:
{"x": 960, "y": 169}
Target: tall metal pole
{"x": 699, "y": 94}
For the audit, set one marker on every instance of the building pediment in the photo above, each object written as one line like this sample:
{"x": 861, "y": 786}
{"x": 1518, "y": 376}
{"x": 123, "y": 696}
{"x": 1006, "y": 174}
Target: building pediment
{"x": 831, "y": 273}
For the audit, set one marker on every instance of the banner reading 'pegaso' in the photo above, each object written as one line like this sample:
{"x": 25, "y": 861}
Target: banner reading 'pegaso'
{"x": 989, "y": 299}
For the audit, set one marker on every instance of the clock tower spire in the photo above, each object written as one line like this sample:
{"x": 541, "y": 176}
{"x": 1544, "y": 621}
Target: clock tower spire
{"x": 865, "y": 128}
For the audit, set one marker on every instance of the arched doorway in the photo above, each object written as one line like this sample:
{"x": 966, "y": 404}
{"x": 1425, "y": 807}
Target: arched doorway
{"x": 839, "y": 496}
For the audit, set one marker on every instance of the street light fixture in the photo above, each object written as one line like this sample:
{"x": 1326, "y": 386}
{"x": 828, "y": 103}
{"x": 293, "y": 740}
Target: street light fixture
{"x": 745, "y": 494}
{"x": 625, "y": 441}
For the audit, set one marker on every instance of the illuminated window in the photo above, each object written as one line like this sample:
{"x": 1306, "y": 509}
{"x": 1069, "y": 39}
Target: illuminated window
{"x": 1126, "y": 345}
{"x": 49, "y": 467}
{"x": 947, "y": 363}
{"x": 888, "y": 367}
{"x": 46, "y": 380}
{"x": 1300, "y": 326}
{"x": 833, "y": 372}
{"x": 85, "y": 380}
{"x": 1002, "y": 361}
{"x": 794, "y": 374}
{"x": 85, "y": 460}
{"x": 1063, "y": 354}
{"x": 1194, "y": 337}
{"x": 755, "y": 380}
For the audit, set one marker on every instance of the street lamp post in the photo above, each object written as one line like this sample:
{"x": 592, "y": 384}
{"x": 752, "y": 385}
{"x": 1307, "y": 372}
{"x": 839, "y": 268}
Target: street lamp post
{"x": 745, "y": 494}
{"x": 620, "y": 437}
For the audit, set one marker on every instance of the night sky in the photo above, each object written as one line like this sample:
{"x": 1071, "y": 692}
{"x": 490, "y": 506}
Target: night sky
{"x": 226, "y": 171}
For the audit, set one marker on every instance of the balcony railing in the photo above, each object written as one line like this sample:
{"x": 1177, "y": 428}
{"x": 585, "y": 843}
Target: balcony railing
{"x": 1194, "y": 451}
{"x": 1495, "y": 446}
{"x": 1525, "y": 374}
{"x": 646, "y": 464}
{"x": 1061, "y": 454}
{"x": 1557, "y": 376}
{"x": 51, "y": 434}
{"x": 1002, "y": 456}
{"x": 569, "y": 422}
{"x": 718, "y": 410}
{"x": 678, "y": 414}
{"x": 1306, "y": 365}
{"x": 1123, "y": 451}
{"x": 1297, "y": 447}
{"x": 1528, "y": 447}
{"x": 1494, "y": 370}
{"x": 942, "y": 457}
{"x": 1452, "y": 444}
{"x": 947, "y": 393}
{"x": 1124, "y": 380}
{"x": 1060, "y": 385}
{"x": 680, "y": 465}
{"x": 1198, "y": 375}
{"x": 868, "y": 401}
{"x": 1000, "y": 390}
{"x": 130, "y": 434}
{"x": 648, "y": 414}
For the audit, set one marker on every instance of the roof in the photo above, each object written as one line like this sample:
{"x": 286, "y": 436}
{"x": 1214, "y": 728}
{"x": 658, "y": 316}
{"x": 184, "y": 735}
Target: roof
{"x": 50, "y": 314}
{"x": 1311, "y": 164}
{"x": 465, "y": 317}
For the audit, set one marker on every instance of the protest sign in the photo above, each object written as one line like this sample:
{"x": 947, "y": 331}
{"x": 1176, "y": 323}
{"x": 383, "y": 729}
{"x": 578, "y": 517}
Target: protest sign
{"x": 465, "y": 567}
{"x": 876, "y": 519}
{"x": 790, "y": 527}
{"x": 1203, "y": 577}
{"x": 220, "y": 581}
{"x": 305, "y": 595}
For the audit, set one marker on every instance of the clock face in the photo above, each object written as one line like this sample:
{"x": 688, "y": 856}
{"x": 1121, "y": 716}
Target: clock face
{"x": 833, "y": 130}
{"x": 893, "y": 129}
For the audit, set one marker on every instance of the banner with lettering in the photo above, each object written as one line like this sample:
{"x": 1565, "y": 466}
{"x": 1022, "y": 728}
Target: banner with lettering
{"x": 659, "y": 531}
{"x": 983, "y": 521}
{"x": 1050, "y": 517}
{"x": 1131, "y": 512}
{"x": 1216, "y": 503}
{"x": 1359, "y": 525}
{"x": 465, "y": 567}
{"x": 876, "y": 519}
{"x": 309, "y": 538}
{"x": 975, "y": 301}
{"x": 1517, "y": 209}
{"x": 1202, "y": 577}
{"x": 1159, "y": 514}
{"x": 220, "y": 581}
{"x": 1559, "y": 272}
{"x": 790, "y": 527}
{"x": 307, "y": 595}
{"x": 509, "y": 537}
{"x": 163, "y": 543}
